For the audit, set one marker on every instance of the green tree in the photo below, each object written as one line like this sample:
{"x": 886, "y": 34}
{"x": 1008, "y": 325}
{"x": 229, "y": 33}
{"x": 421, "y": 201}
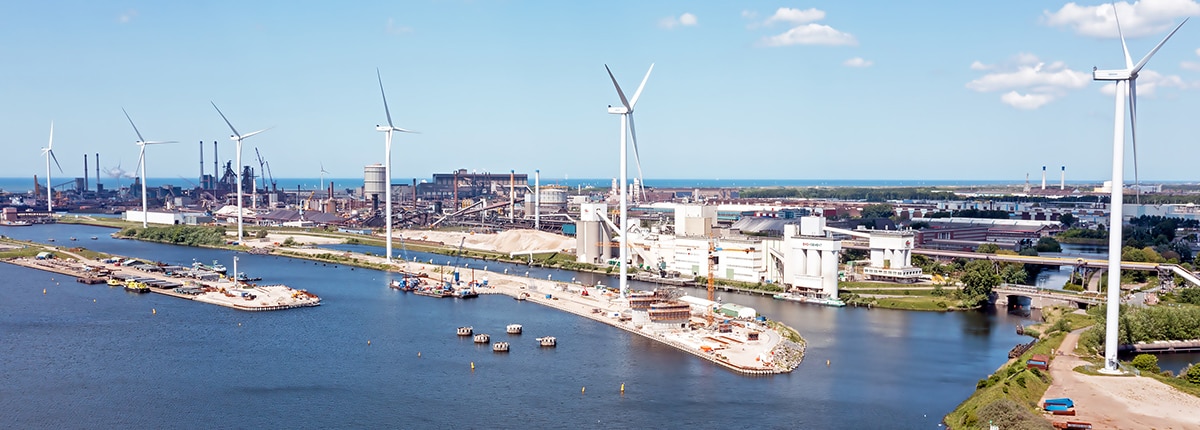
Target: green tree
{"x": 1193, "y": 374}
{"x": 1048, "y": 244}
{"x": 1190, "y": 295}
{"x": 881, "y": 210}
{"x": 1067, "y": 220}
{"x": 987, "y": 248}
{"x": 1013, "y": 274}
{"x": 978, "y": 279}
{"x": 1145, "y": 363}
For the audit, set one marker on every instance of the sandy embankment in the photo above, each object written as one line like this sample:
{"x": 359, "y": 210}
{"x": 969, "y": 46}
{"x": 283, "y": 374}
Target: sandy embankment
{"x": 506, "y": 242}
{"x": 1119, "y": 402}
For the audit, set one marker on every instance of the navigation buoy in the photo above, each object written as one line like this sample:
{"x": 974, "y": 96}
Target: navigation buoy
{"x": 93, "y": 300}
{"x": 472, "y": 365}
{"x": 826, "y": 363}
{"x": 368, "y": 343}
{"x": 43, "y": 291}
{"x": 622, "y": 388}
{"x": 418, "y": 353}
{"x": 153, "y": 311}
{"x": 583, "y": 390}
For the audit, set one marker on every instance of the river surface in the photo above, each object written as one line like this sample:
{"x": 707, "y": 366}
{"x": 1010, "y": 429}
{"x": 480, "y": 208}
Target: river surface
{"x": 96, "y": 357}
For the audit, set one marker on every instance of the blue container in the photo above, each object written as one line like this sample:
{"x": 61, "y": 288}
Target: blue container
{"x": 547, "y": 296}
{"x": 1056, "y": 407}
{"x": 568, "y": 229}
{"x": 1060, "y": 401}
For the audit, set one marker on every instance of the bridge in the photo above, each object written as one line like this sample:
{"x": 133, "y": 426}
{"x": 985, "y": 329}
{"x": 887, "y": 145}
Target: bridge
{"x": 1047, "y": 261}
{"x": 1042, "y": 297}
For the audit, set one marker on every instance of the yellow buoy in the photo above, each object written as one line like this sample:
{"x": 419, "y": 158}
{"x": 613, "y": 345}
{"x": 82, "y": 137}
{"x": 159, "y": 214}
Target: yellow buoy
{"x": 826, "y": 363}
{"x": 153, "y": 311}
{"x": 622, "y": 387}
{"x": 43, "y": 291}
{"x": 368, "y": 342}
{"x": 583, "y": 390}
{"x": 472, "y": 365}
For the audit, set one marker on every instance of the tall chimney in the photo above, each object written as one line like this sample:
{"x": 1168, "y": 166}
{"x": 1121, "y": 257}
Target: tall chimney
{"x": 512, "y": 194}
{"x": 1043, "y": 178}
{"x": 202, "y": 164}
{"x": 97, "y": 172}
{"x": 216, "y": 170}
{"x": 85, "y": 173}
{"x": 1062, "y": 183}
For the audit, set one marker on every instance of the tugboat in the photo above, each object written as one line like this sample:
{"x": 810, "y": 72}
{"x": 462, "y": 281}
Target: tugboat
{"x": 465, "y": 331}
{"x": 548, "y": 341}
{"x": 114, "y": 282}
{"x": 136, "y": 287}
{"x": 500, "y": 347}
{"x": 513, "y": 329}
{"x": 482, "y": 338}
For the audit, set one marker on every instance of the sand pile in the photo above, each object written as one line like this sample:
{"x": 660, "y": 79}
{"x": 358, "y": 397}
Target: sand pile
{"x": 506, "y": 242}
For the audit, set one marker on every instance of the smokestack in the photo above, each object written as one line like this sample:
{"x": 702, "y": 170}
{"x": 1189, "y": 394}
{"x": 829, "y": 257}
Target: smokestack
{"x": 1062, "y": 183}
{"x": 537, "y": 199}
{"x": 202, "y": 164}
{"x": 512, "y": 194}
{"x": 97, "y": 172}
{"x": 1043, "y": 178}
{"x": 216, "y": 171}
{"x": 414, "y": 194}
{"x": 85, "y": 173}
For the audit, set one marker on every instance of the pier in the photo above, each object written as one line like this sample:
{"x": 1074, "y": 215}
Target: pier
{"x": 224, "y": 292}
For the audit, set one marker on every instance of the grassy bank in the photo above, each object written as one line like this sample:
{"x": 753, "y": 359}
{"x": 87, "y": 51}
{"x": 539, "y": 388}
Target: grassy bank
{"x": 924, "y": 297}
{"x": 1008, "y": 397}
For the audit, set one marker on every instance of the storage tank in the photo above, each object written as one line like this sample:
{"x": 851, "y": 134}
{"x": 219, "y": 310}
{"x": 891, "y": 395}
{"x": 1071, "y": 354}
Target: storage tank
{"x": 374, "y": 181}
{"x": 554, "y": 198}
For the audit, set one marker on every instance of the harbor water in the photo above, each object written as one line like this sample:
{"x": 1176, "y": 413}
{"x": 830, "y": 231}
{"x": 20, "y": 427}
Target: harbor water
{"x": 369, "y": 356}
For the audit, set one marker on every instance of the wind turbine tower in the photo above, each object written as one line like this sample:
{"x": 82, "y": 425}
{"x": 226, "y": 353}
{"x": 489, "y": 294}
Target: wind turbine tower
{"x": 141, "y": 143}
{"x": 1126, "y": 91}
{"x": 48, "y": 152}
{"x": 238, "y": 138}
{"x": 626, "y": 112}
{"x": 1043, "y": 178}
{"x": 1062, "y": 182}
{"x": 387, "y": 165}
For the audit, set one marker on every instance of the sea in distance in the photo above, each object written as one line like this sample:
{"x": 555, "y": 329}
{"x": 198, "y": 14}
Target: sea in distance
{"x": 21, "y": 185}
{"x": 90, "y": 356}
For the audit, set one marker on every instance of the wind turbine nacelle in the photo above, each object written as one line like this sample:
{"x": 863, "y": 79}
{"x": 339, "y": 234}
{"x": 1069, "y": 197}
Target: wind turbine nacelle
{"x": 618, "y": 110}
{"x": 382, "y": 128}
{"x": 1110, "y": 75}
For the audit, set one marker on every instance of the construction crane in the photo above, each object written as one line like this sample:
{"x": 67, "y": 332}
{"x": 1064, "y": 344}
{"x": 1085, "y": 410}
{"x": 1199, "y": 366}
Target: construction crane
{"x": 265, "y": 168}
{"x": 458, "y": 256}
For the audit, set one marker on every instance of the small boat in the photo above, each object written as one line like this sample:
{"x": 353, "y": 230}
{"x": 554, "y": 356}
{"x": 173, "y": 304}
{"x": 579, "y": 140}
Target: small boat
{"x": 241, "y": 277}
{"x": 827, "y": 301}
{"x": 217, "y": 267}
{"x": 72, "y": 238}
{"x": 548, "y": 341}
{"x": 482, "y": 338}
{"x": 136, "y": 287}
{"x": 50, "y": 239}
{"x": 406, "y": 284}
{"x": 465, "y": 293}
{"x": 113, "y": 282}
{"x": 94, "y": 238}
{"x": 513, "y": 329}
{"x": 465, "y": 331}
{"x": 500, "y": 347}
{"x": 521, "y": 297}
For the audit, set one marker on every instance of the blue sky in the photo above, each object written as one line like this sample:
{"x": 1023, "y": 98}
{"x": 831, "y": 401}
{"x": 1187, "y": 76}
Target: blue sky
{"x": 752, "y": 89}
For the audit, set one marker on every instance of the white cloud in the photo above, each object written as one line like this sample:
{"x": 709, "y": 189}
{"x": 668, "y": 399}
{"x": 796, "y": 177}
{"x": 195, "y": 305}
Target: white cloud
{"x": 1041, "y": 82}
{"x": 749, "y": 14}
{"x": 980, "y": 66}
{"x": 811, "y": 34}
{"x": 1190, "y": 65}
{"x": 1025, "y": 101}
{"x": 687, "y": 20}
{"x": 796, "y": 16}
{"x": 858, "y": 62}
{"x": 393, "y": 28}
{"x": 127, "y": 16}
{"x": 1149, "y": 81}
{"x": 1142, "y": 18}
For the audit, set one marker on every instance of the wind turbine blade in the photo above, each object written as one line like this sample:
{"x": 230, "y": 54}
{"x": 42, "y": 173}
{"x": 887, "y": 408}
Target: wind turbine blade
{"x": 51, "y": 152}
{"x": 615, "y": 84}
{"x": 1128, "y": 62}
{"x": 637, "y": 159}
{"x": 384, "y": 95}
{"x": 638, "y": 93}
{"x": 1146, "y": 59}
{"x": 235, "y": 133}
{"x": 50, "y": 145}
{"x": 1133, "y": 132}
{"x": 135, "y": 129}
{"x": 157, "y": 142}
{"x": 255, "y": 132}
{"x": 402, "y": 130}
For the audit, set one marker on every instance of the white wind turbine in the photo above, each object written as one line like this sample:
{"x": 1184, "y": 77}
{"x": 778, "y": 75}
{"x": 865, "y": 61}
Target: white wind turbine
{"x": 323, "y": 173}
{"x": 141, "y": 143}
{"x": 626, "y": 112}
{"x": 387, "y": 165}
{"x": 1126, "y": 90}
{"x": 238, "y": 138}
{"x": 48, "y": 152}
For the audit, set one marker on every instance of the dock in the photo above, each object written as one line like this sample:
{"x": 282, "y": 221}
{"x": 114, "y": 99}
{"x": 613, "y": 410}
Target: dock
{"x": 224, "y": 292}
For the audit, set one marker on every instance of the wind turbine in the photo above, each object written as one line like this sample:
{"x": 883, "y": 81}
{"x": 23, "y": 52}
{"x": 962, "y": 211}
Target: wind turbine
{"x": 48, "y": 152}
{"x": 387, "y": 165}
{"x": 626, "y": 112}
{"x": 141, "y": 143}
{"x": 323, "y": 173}
{"x": 1126, "y": 81}
{"x": 238, "y": 138}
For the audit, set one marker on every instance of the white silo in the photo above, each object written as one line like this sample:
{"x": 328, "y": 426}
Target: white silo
{"x": 374, "y": 181}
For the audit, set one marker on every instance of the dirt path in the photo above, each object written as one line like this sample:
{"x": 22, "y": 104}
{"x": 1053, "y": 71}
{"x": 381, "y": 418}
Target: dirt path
{"x": 1126, "y": 402}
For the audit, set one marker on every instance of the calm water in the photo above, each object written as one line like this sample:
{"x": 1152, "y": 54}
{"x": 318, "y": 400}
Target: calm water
{"x": 73, "y": 362}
